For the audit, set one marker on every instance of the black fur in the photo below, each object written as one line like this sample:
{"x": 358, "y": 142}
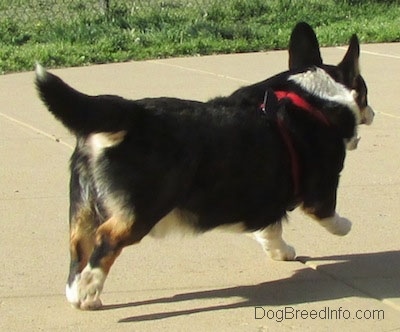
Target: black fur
{"x": 221, "y": 162}
{"x": 303, "y": 41}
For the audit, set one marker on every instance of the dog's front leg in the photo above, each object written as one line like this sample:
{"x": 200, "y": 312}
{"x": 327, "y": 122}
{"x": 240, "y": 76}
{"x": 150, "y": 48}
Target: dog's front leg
{"x": 272, "y": 242}
{"x": 336, "y": 224}
{"x": 323, "y": 210}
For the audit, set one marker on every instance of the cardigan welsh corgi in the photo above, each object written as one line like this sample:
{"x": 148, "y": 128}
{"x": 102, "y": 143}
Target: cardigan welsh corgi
{"x": 155, "y": 165}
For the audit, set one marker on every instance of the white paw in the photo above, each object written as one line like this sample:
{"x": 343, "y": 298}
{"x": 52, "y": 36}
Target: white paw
{"x": 283, "y": 253}
{"x": 84, "y": 293}
{"x": 336, "y": 225}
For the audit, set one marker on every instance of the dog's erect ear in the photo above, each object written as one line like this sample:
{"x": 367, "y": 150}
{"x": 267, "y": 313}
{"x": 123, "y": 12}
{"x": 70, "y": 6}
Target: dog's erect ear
{"x": 350, "y": 64}
{"x": 303, "y": 47}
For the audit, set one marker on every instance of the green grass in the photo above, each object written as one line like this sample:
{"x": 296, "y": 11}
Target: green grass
{"x": 76, "y": 32}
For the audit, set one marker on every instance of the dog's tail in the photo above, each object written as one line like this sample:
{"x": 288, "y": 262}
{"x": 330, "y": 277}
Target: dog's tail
{"x": 80, "y": 113}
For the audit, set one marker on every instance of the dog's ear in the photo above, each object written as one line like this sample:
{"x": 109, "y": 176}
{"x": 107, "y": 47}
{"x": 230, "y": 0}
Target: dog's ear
{"x": 303, "y": 47}
{"x": 349, "y": 66}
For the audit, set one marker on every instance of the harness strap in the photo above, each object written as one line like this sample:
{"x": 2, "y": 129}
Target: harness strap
{"x": 306, "y": 106}
{"x": 294, "y": 160}
{"x": 303, "y": 104}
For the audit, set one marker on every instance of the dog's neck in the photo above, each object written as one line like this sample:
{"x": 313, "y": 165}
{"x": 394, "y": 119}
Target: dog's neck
{"x": 303, "y": 104}
{"x": 319, "y": 83}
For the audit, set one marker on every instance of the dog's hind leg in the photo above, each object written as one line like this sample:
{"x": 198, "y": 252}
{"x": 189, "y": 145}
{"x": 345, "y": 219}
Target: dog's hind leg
{"x": 110, "y": 238}
{"x": 84, "y": 221}
{"x": 272, "y": 242}
{"x": 82, "y": 239}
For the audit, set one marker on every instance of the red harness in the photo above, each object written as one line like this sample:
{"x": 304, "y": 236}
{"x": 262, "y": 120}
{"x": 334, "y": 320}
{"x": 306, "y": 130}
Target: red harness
{"x": 305, "y": 106}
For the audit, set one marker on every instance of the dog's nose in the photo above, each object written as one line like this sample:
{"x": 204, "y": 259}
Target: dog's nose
{"x": 368, "y": 115}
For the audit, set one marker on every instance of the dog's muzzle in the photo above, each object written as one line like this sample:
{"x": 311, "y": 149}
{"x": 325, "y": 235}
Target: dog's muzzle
{"x": 367, "y": 115}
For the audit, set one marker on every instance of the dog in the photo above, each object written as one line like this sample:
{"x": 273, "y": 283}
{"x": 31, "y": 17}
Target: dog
{"x": 154, "y": 165}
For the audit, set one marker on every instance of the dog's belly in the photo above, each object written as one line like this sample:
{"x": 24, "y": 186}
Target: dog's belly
{"x": 183, "y": 222}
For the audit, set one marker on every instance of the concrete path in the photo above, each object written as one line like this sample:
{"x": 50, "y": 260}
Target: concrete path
{"x": 216, "y": 282}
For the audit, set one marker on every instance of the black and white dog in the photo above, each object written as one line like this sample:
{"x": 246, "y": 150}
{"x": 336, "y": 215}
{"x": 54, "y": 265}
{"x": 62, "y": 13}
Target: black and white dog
{"x": 155, "y": 165}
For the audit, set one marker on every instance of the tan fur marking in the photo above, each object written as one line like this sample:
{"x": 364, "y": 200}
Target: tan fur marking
{"x": 108, "y": 261}
{"x": 100, "y": 141}
{"x": 82, "y": 236}
{"x": 114, "y": 138}
{"x": 310, "y": 211}
{"x": 116, "y": 231}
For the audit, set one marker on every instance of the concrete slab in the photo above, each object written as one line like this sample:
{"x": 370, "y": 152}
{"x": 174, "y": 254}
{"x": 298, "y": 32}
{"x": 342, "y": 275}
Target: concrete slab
{"x": 215, "y": 281}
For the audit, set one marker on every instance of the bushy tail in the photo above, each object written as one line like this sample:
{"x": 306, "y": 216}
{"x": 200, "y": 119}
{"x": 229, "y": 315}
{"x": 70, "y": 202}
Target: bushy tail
{"x": 80, "y": 113}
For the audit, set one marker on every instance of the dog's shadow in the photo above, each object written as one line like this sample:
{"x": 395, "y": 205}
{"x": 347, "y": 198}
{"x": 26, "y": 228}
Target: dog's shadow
{"x": 375, "y": 275}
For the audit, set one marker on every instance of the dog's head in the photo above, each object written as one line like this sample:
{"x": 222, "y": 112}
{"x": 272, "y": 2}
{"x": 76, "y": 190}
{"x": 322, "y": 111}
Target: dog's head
{"x": 304, "y": 52}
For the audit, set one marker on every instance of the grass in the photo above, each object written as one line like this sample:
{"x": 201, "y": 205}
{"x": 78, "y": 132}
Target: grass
{"x": 76, "y": 32}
